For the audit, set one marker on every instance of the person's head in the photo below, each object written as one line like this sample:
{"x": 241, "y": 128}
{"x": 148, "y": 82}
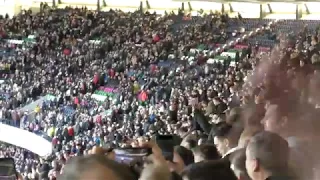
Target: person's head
{"x": 226, "y": 137}
{"x": 277, "y": 119}
{"x": 267, "y": 154}
{"x": 238, "y": 164}
{"x": 182, "y": 157}
{"x": 234, "y": 115}
{"x": 205, "y": 152}
{"x": 302, "y": 63}
{"x": 190, "y": 143}
{"x": 209, "y": 170}
{"x": 216, "y": 101}
{"x": 246, "y": 135}
{"x": 95, "y": 167}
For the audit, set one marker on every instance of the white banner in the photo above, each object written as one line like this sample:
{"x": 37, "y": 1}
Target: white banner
{"x": 14, "y": 41}
{"x": 94, "y": 41}
{"x": 99, "y": 97}
{"x": 25, "y": 139}
{"x": 231, "y": 54}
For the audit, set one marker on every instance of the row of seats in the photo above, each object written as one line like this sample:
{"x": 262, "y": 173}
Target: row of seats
{"x": 286, "y": 26}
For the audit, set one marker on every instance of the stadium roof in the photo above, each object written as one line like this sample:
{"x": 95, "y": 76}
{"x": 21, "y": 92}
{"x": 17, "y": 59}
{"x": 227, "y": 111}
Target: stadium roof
{"x": 250, "y": 1}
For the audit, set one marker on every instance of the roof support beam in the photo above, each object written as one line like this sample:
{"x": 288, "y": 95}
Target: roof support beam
{"x": 270, "y": 9}
{"x": 298, "y": 11}
{"x": 222, "y": 8}
{"x": 98, "y": 5}
{"x": 230, "y": 6}
{"x": 307, "y": 9}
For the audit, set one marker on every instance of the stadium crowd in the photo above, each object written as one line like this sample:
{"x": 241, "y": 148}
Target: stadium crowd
{"x": 254, "y": 120}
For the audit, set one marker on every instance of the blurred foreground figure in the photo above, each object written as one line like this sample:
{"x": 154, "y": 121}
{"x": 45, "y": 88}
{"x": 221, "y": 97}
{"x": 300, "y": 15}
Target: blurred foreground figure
{"x": 95, "y": 167}
{"x": 267, "y": 157}
{"x": 238, "y": 164}
{"x": 209, "y": 170}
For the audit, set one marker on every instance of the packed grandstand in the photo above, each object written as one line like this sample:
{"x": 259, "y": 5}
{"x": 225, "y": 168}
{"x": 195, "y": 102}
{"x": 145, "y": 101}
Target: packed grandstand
{"x": 212, "y": 90}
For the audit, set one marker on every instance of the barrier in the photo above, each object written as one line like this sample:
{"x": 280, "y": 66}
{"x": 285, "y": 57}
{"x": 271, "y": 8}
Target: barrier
{"x": 25, "y": 139}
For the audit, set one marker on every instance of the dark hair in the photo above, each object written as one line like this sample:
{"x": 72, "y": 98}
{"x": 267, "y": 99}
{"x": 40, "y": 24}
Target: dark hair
{"x": 185, "y": 154}
{"x": 207, "y": 170}
{"x": 207, "y": 151}
{"x": 76, "y": 166}
{"x": 222, "y": 129}
{"x": 192, "y": 143}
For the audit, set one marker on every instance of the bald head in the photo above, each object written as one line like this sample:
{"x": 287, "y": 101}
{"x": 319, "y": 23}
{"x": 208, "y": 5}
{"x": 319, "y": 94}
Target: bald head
{"x": 269, "y": 151}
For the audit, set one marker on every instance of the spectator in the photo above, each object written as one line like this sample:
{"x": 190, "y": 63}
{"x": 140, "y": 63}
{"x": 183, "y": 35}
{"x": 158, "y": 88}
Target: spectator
{"x": 267, "y": 157}
{"x": 238, "y": 164}
{"x": 209, "y": 171}
{"x": 226, "y": 137}
{"x": 205, "y": 152}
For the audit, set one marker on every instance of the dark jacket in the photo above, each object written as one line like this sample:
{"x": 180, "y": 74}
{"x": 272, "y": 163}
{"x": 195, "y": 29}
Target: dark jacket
{"x": 200, "y": 122}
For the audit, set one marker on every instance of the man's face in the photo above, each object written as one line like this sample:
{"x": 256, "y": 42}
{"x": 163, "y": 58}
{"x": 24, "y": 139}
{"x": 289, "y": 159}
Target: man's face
{"x": 221, "y": 145}
{"x": 271, "y": 120}
{"x": 250, "y": 165}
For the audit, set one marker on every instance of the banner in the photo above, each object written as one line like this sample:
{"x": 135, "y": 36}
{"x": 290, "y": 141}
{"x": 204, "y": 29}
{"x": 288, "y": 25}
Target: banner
{"x": 104, "y": 92}
{"x": 232, "y": 53}
{"x": 94, "y": 41}
{"x": 240, "y": 46}
{"x": 26, "y": 140}
{"x": 220, "y": 59}
{"x": 99, "y": 97}
{"x": 108, "y": 89}
{"x": 15, "y": 41}
{"x": 261, "y": 48}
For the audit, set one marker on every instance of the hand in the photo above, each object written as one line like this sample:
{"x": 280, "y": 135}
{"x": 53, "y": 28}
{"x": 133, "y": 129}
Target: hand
{"x": 19, "y": 176}
{"x": 100, "y": 151}
{"x": 159, "y": 164}
{"x": 156, "y": 156}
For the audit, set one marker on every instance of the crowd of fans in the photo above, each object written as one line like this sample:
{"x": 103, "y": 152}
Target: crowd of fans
{"x": 255, "y": 120}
